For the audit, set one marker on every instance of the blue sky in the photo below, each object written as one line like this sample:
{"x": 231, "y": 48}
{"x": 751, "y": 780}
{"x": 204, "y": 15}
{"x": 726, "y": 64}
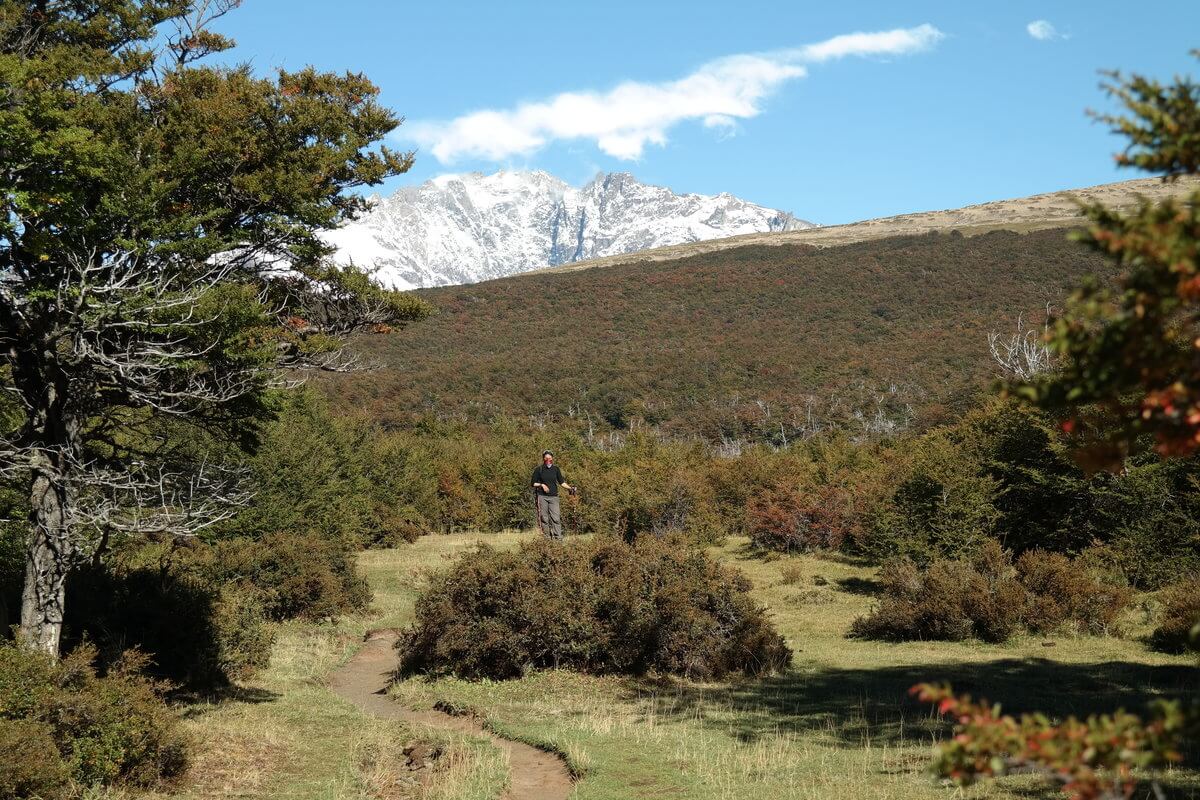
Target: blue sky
{"x": 950, "y": 103}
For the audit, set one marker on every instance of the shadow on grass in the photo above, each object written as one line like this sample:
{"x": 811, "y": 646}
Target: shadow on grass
{"x": 866, "y": 587}
{"x": 748, "y": 551}
{"x": 197, "y": 704}
{"x": 851, "y": 706}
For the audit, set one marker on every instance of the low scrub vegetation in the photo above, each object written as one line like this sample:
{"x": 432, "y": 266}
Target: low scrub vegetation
{"x": 1002, "y": 472}
{"x": 712, "y": 346}
{"x": 63, "y": 725}
{"x": 790, "y": 520}
{"x": 300, "y": 575}
{"x": 33, "y": 767}
{"x": 603, "y": 606}
{"x": 1180, "y": 616}
{"x": 988, "y": 597}
{"x": 202, "y": 613}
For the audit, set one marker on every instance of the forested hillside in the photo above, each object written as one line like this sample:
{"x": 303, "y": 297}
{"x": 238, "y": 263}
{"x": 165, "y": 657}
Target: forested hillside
{"x": 756, "y": 343}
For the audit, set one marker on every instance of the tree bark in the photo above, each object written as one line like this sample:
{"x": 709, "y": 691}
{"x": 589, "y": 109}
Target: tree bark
{"x": 50, "y": 553}
{"x": 48, "y": 559}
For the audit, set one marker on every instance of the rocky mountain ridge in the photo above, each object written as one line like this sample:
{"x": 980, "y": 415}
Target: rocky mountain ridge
{"x": 471, "y": 227}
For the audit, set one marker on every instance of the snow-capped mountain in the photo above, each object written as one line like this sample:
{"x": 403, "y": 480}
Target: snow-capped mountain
{"x": 472, "y": 227}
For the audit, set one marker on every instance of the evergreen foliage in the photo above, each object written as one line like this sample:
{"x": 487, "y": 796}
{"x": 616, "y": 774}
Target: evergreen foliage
{"x": 159, "y": 263}
{"x": 1128, "y": 356}
{"x": 603, "y": 606}
{"x": 1132, "y": 350}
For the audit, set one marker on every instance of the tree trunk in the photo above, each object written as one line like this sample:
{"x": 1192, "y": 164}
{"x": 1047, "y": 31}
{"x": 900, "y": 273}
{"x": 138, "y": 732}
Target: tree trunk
{"x": 49, "y": 556}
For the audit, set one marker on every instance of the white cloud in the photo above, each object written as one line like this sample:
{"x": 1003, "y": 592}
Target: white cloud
{"x": 1042, "y": 30}
{"x": 623, "y": 120}
{"x": 884, "y": 43}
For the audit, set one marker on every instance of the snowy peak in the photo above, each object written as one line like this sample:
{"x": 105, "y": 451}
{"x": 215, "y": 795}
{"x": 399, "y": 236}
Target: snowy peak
{"x": 469, "y": 227}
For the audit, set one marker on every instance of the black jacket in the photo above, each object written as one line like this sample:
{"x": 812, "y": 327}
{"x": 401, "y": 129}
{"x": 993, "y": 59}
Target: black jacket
{"x": 551, "y": 476}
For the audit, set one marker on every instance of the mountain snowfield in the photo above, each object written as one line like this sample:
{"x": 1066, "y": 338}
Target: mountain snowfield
{"x": 472, "y": 227}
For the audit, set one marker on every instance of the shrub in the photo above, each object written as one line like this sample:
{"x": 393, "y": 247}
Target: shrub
{"x": 202, "y": 613}
{"x": 309, "y": 475}
{"x": 113, "y": 729}
{"x": 950, "y": 600}
{"x": 791, "y": 573}
{"x": 988, "y": 598}
{"x": 304, "y": 576}
{"x": 792, "y": 520}
{"x": 941, "y": 507}
{"x": 619, "y": 500}
{"x": 1180, "y": 614}
{"x": 1042, "y": 498}
{"x": 603, "y": 606}
{"x": 1063, "y": 591}
{"x": 197, "y": 633}
{"x": 244, "y": 640}
{"x": 1150, "y": 524}
{"x": 391, "y": 528}
{"x": 32, "y": 765}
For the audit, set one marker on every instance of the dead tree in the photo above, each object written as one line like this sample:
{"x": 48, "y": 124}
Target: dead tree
{"x": 1022, "y": 355}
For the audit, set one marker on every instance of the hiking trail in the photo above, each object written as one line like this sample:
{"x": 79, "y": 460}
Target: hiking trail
{"x": 533, "y": 774}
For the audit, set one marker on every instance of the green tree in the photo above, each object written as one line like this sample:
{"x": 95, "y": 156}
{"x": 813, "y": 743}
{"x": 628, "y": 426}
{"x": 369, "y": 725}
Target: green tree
{"x": 1133, "y": 352}
{"x": 160, "y": 265}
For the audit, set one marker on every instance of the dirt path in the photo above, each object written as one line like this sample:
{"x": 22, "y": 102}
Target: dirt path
{"x": 534, "y": 774}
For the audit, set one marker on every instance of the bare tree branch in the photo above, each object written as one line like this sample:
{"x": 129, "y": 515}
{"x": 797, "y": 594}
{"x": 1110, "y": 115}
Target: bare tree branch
{"x": 1023, "y": 355}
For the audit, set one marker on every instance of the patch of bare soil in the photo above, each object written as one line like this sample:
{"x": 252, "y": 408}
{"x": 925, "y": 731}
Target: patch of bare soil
{"x": 534, "y": 774}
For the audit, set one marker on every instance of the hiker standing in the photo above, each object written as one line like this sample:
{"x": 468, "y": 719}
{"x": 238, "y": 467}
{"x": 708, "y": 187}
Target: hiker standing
{"x": 546, "y": 479}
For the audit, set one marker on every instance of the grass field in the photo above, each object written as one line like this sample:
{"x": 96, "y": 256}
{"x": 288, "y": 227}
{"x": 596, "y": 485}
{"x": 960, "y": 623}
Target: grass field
{"x": 838, "y": 725}
{"x": 286, "y": 735}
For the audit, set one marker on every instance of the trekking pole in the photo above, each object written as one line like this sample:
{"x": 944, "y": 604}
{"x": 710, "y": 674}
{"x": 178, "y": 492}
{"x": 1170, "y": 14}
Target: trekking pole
{"x": 537, "y": 512}
{"x": 574, "y": 515}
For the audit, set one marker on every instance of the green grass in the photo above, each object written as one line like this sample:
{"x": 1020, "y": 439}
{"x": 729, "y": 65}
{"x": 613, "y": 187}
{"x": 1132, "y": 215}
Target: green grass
{"x": 838, "y": 725}
{"x": 286, "y": 735}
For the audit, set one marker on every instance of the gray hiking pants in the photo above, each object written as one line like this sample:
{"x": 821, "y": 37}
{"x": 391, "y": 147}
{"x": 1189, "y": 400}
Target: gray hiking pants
{"x": 549, "y": 518}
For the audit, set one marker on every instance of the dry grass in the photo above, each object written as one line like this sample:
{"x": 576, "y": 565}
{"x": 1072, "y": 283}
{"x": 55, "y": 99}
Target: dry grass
{"x": 791, "y": 572}
{"x": 234, "y": 762}
{"x": 286, "y": 735}
{"x": 1022, "y": 215}
{"x": 837, "y": 725}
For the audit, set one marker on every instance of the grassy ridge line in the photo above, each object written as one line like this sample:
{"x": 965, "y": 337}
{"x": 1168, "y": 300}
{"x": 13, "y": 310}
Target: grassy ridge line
{"x": 1022, "y": 215}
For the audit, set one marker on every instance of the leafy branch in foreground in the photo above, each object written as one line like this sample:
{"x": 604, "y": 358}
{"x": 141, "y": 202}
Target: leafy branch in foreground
{"x": 1093, "y": 759}
{"x": 1134, "y": 351}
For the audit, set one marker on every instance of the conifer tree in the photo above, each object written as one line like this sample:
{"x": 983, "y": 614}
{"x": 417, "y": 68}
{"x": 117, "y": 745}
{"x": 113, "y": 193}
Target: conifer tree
{"x": 160, "y": 264}
{"x": 1134, "y": 352}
